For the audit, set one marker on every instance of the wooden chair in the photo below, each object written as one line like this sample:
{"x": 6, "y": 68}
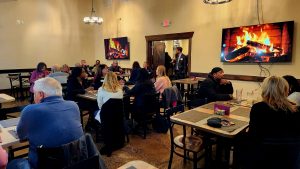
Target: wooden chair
{"x": 14, "y": 84}
{"x": 182, "y": 144}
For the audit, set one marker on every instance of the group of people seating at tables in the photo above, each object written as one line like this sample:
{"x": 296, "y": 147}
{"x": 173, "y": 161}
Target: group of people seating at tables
{"x": 53, "y": 121}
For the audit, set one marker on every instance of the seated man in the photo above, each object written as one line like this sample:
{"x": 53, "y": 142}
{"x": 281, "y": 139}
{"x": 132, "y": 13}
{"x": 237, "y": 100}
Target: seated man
{"x": 51, "y": 122}
{"x": 86, "y": 68}
{"x": 115, "y": 67}
{"x": 214, "y": 87}
{"x": 58, "y": 75}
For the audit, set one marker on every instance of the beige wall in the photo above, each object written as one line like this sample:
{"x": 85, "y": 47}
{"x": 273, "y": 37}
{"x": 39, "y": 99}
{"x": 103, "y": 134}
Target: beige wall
{"x": 141, "y": 18}
{"x": 50, "y": 30}
{"x": 53, "y": 30}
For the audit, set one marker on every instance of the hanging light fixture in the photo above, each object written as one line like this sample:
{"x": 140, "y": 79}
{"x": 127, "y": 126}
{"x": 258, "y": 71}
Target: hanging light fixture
{"x": 93, "y": 19}
{"x": 214, "y": 2}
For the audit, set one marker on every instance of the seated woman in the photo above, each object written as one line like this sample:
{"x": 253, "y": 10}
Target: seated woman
{"x": 142, "y": 86}
{"x": 40, "y": 72}
{"x": 294, "y": 92}
{"x": 134, "y": 72}
{"x": 110, "y": 89}
{"x": 273, "y": 119}
{"x": 65, "y": 68}
{"x": 76, "y": 83}
{"x": 162, "y": 80}
{"x": 102, "y": 70}
{"x": 275, "y": 116}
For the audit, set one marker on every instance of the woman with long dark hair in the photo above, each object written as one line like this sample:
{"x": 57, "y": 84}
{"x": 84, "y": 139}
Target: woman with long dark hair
{"x": 76, "y": 83}
{"x": 134, "y": 72}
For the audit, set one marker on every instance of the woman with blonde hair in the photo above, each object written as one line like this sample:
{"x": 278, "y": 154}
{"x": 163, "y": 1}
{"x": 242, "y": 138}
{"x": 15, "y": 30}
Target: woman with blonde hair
{"x": 273, "y": 129}
{"x": 110, "y": 89}
{"x": 162, "y": 80}
{"x": 275, "y": 116}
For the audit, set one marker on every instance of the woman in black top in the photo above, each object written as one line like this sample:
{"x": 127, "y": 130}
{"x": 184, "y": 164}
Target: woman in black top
{"x": 76, "y": 83}
{"x": 142, "y": 86}
{"x": 274, "y": 130}
{"x": 134, "y": 72}
{"x": 275, "y": 116}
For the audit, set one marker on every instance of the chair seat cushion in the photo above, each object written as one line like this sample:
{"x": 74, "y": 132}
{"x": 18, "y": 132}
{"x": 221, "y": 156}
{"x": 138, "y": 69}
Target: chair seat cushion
{"x": 192, "y": 143}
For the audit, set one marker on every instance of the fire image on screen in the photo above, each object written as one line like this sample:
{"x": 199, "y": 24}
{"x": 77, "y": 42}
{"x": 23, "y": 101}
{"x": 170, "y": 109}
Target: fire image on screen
{"x": 116, "y": 48}
{"x": 264, "y": 43}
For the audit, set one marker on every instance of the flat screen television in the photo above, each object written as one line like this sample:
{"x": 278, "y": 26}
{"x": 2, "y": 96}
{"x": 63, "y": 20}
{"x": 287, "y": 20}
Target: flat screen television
{"x": 265, "y": 43}
{"x": 116, "y": 48}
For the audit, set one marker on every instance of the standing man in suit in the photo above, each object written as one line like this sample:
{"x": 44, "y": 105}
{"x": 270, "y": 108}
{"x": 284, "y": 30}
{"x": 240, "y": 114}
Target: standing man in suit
{"x": 180, "y": 64}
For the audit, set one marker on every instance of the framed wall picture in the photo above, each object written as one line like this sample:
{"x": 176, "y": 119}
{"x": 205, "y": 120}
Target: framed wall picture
{"x": 116, "y": 48}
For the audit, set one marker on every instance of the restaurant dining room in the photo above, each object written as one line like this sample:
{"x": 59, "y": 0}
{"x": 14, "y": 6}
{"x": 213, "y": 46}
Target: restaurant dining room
{"x": 156, "y": 84}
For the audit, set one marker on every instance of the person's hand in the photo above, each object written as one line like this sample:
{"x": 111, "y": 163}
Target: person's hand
{"x": 89, "y": 89}
{"x": 224, "y": 81}
{"x": 121, "y": 82}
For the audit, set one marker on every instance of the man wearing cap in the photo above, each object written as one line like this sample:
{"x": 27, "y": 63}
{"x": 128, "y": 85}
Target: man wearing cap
{"x": 215, "y": 88}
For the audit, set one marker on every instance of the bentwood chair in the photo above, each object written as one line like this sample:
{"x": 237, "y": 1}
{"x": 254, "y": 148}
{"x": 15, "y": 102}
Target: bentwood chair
{"x": 14, "y": 84}
{"x": 183, "y": 144}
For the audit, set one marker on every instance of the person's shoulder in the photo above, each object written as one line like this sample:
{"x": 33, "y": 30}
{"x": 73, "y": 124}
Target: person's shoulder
{"x": 260, "y": 105}
{"x": 69, "y": 104}
{"x": 30, "y": 108}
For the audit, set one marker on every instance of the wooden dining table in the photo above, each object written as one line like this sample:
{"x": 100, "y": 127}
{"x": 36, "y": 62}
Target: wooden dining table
{"x": 190, "y": 82}
{"x": 197, "y": 118}
{"x": 8, "y": 132}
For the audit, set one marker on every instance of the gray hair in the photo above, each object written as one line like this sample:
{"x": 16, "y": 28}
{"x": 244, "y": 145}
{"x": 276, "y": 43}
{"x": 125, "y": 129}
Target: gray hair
{"x": 49, "y": 86}
{"x": 55, "y": 68}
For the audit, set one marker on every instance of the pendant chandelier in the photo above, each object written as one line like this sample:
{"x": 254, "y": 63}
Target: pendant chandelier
{"x": 215, "y": 2}
{"x": 93, "y": 19}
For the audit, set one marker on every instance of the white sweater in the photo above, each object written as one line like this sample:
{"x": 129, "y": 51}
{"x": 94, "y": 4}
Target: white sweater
{"x": 103, "y": 96}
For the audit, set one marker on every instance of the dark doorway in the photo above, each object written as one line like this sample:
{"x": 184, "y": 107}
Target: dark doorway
{"x": 155, "y": 48}
{"x": 158, "y": 53}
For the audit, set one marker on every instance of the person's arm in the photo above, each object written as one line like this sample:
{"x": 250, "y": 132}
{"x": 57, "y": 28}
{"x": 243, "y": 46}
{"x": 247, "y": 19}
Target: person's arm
{"x": 226, "y": 87}
{"x": 23, "y": 125}
{"x": 3, "y": 158}
{"x": 253, "y": 124}
{"x": 185, "y": 62}
{"x": 211, "y": 93}
{"x": 158, "y": 84}
{"x": 34, "y": 76}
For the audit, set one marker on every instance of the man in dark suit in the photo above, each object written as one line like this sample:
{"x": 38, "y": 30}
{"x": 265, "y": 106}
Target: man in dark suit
{"x": 180, "y": 64}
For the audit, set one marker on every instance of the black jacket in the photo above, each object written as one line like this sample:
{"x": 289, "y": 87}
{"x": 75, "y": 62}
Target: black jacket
{"x": 74, "y": 88}
{"x": 266, "y": 122}
{"x": 214, "y": 91}
{"x": 182, "y": 64}
{"x": 139, "y": 90}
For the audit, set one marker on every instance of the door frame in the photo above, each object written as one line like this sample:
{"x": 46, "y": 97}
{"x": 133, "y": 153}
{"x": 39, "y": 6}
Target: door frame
{"x": 172, "y": 36}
